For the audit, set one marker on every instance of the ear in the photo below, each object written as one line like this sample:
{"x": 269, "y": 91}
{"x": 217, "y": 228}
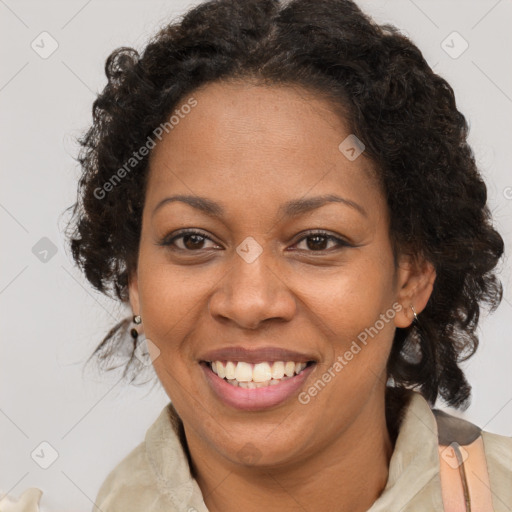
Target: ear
{"x": 133, "y": 291}
{"x": 415, "y": 283}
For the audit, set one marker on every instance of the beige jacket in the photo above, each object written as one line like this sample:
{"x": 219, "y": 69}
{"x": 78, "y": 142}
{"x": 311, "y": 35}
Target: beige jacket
{"x": 155, "y": 476}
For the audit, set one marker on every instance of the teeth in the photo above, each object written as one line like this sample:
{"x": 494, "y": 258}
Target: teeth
{"x": 251, "y": 376}
{"x": 230, "y": 370}
{"x": 261, "y": 372}
{"x": 299, "y": 367}
{"x": 243, "y": 372}
{"x": 221, "y": 372}
{"x": 289, "y": 369}
{"x": 278, "y": 370}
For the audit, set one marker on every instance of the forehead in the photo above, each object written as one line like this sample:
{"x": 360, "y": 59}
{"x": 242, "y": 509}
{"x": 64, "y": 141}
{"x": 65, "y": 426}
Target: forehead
{"x": 244, "y": 116}
{"x": 257, "y": 141}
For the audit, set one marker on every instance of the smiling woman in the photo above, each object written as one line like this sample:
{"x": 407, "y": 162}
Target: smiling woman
{"x": 305, "y": 252}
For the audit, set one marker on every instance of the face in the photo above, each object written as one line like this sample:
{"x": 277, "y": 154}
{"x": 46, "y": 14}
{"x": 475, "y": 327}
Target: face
{"x": 272, "y": 279}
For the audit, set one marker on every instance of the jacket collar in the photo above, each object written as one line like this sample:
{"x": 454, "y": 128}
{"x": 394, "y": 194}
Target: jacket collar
{"x": 413, "y": 470}
{"x": 413, "y": 477}
{"x": 167, "y": 457}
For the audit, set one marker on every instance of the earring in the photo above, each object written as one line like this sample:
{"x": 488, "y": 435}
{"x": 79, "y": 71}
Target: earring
{"x": 414, "y": 313}
{"x": 136, "y": 320}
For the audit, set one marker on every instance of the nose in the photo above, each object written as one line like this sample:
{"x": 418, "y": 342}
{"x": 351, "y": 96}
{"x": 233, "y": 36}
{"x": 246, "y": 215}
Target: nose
{"x": 252, "y": 293}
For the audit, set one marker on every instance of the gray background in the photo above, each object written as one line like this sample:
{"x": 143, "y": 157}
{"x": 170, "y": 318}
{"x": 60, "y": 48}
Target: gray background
{"x": 51, "y": 317}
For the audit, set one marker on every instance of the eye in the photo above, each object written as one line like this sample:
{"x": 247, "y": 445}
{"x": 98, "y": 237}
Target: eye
{"x": 190, "y": 240}
{"x": 319, "y": 239}
{"x": 193, "y": 240}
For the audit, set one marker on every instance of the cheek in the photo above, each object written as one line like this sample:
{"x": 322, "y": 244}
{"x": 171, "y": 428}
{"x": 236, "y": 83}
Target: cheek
{"x": 353, "y": 297}
{"x": 172, "y": 297}
{"x": 354, "y": 309}
{"x": 358, "y": 325}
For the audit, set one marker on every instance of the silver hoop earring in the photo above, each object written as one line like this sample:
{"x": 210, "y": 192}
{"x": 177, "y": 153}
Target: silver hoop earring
{"x": 414, "y": 313}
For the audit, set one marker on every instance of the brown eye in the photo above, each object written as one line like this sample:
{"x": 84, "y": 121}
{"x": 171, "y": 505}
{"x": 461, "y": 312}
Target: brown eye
{"x": 318, "y": 241}
{"x": 190, "y": 241}
{"x": 193, "y": 241}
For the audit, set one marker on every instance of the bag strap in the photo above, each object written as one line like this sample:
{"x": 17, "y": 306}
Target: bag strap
{"x": 465, "y": 484}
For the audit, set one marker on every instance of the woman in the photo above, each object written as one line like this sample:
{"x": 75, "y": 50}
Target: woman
{"x": 284, "y": 195}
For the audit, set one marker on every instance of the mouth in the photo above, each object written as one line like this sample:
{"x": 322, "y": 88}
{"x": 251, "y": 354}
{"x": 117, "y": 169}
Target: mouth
{"x": 255, "y": 386}
{"x": 256, "y": 375}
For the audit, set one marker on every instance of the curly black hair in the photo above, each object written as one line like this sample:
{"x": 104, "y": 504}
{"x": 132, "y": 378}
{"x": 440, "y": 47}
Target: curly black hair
{"x": 405, "y": 114}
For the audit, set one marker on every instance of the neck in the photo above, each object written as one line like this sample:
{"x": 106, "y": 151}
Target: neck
{"x": 348, "y": 474}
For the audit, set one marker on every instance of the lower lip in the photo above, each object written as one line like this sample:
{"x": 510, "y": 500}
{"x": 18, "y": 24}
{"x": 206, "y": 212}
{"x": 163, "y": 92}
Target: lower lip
{"x": 258, "y": 398}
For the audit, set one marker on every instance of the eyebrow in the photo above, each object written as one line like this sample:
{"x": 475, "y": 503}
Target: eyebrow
{"x": 292, "y": 208}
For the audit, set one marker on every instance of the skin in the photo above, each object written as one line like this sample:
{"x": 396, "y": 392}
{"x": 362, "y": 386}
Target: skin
{"x": 252, "y": 148}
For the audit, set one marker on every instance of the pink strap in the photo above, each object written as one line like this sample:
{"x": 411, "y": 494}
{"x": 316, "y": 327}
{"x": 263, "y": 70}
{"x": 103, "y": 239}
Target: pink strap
{"x": 465, "y": 481}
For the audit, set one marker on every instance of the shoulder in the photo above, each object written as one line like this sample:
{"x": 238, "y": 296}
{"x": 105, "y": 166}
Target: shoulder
{"x": 498, "y": 452}
{"x": 155, "y": 476}
{"x": 498, "y": 448}
{"x": 453, "y": 429}
{"x": 125, "y": 483}
{"x": 133, "y": 484}
{"x": 485, "y": 454}
{"x": 28, "y": 501}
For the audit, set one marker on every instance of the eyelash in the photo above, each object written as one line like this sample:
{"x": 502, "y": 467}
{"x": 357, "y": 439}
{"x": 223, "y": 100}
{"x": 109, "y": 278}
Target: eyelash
{"x": 169, "y": 242}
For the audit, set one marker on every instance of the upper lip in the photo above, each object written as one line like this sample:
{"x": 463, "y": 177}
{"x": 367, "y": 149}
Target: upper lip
{"x": 256, "y": 355}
